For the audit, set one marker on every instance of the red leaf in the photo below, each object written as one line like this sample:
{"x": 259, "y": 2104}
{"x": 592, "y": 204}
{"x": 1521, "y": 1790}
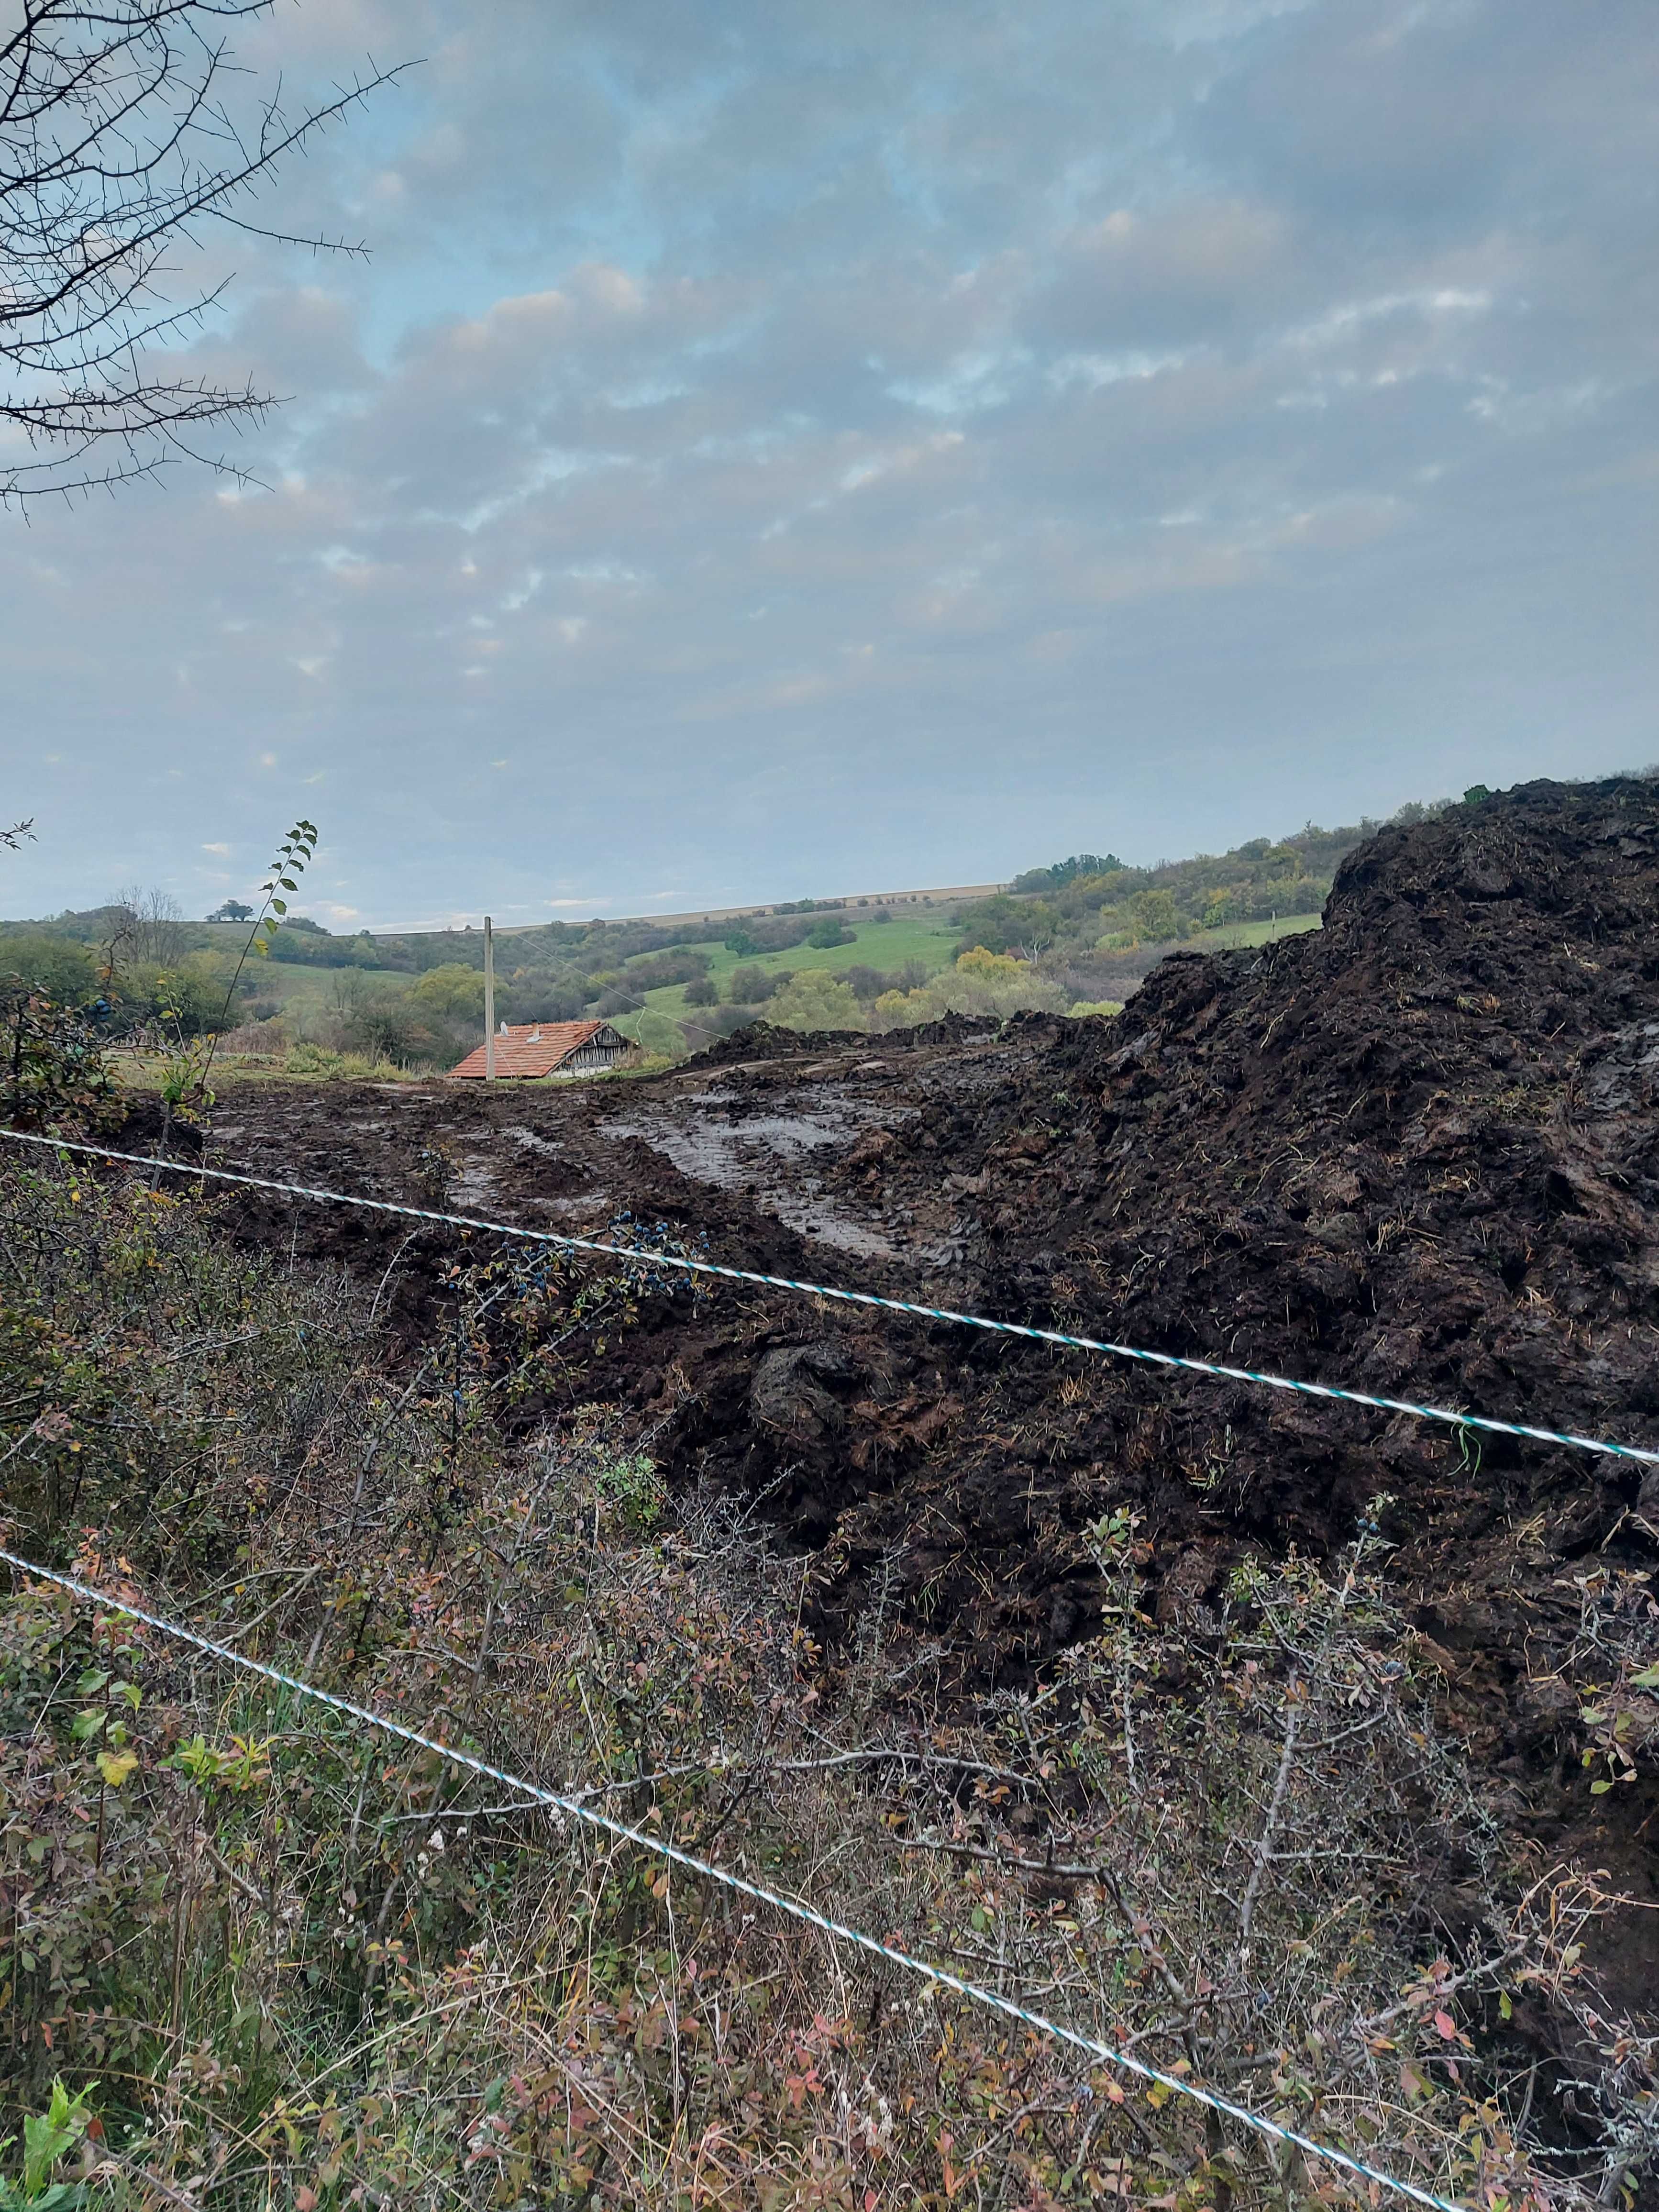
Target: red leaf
{"x": 1446, "y": 2026}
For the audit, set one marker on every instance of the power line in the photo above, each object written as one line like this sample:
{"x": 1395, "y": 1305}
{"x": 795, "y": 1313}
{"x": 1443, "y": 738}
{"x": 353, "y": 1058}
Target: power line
{"x": 1213, "y": 1370}
{"x": 797, "y": 1908}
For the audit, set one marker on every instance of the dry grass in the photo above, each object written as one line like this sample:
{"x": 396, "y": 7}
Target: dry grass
{"x": 307, "y": 1968}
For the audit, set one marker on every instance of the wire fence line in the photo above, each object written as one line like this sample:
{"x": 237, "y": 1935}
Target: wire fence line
{"x": 1213, "y": 1370}
{"x": 535, "y": 1794}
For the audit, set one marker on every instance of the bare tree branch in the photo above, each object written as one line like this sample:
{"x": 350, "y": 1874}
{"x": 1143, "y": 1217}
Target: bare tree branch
{"x": 116, "y": 142}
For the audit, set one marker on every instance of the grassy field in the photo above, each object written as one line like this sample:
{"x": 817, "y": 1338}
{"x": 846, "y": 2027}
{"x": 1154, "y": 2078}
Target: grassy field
{"x": 923, "y": 938}
{"x": 885, "y": 944}
{"x": 926, "y": 938}
{"x": 1245, "y": 933}
{"x": 875, "y": 944}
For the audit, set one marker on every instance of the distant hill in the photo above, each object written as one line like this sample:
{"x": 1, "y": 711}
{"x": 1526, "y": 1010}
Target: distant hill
{"x": 1082, "y": 930}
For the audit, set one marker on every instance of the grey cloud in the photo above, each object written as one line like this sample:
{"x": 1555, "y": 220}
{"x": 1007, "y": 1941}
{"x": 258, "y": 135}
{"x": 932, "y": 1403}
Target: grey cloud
{"x": 1427, "y": 117}
{"x": 1195, "y": 269}
{"x": 813, "y": 449}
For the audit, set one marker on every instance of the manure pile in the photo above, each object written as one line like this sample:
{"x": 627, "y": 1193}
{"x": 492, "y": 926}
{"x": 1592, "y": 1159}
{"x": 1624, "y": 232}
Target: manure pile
{"x": 1415, "y": 1152}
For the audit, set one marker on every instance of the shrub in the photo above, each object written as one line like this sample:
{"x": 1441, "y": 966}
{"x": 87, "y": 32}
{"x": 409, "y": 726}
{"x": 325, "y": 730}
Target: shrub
{"x": 58, "y": 970}
{"x": 991, "y": 966}
{"x": 814, "y": 999}
{"x": 1223, "y": 1835}
{"x": 187, "y": 998}
{"x": 316, "y": 1060}
{"x": 980, "y": 983}
{"x": 752, "y": 986}
{"x": 269, "y": 1038}
{"x": 54, "y": 1076}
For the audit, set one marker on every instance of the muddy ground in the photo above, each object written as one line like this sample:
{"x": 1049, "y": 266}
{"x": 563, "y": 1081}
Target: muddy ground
{"x": 1416, "y": 1151}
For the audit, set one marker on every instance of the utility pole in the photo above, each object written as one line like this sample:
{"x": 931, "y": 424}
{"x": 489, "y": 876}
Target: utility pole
{"x": 490, "y": 1002}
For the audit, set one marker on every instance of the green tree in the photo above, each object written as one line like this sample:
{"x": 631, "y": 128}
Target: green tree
{"x": 64, "y": 972}
{"x": 449, "y": 994}
{"x": 814, "y": 999}
{"x": 750, "y": 984}
{"x": 1157, "y": 917}
{"x": 1006, "y": 924}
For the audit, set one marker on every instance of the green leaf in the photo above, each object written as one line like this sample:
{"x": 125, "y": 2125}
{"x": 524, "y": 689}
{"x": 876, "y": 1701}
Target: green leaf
{"x": 280, "y": 905}
{"x": 91, "y": 1682}
{"x": 46, "y": 2136}
{"x": 1647, "y": 1679}
{"x": 1506, "y": 2010}
{"x": 87, "y": 1725}
{"x": 1600, "y": 1789}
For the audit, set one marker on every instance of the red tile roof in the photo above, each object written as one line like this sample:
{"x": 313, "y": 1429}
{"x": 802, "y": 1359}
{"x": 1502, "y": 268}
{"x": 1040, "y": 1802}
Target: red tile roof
{"x": 535, "y": 1048}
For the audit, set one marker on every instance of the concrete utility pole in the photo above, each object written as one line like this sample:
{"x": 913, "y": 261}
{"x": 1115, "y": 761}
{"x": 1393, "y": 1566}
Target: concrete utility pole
{"x": 490, "y": 1002}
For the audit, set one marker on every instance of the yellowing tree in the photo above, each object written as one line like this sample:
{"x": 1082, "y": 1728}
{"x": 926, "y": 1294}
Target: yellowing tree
{"x": 994, "y": 967}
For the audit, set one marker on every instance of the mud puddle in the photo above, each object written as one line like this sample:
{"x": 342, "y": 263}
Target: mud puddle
{"x": 746, "y": 1152}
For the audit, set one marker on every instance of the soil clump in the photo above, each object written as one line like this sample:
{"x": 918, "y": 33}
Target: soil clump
{"x": 1415, "y": 1152}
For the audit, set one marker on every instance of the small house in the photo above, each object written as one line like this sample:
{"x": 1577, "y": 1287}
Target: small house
{"x": 567, "y": 1049}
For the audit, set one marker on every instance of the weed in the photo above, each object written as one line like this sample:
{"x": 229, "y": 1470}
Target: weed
{"x": 302, "y": 1967}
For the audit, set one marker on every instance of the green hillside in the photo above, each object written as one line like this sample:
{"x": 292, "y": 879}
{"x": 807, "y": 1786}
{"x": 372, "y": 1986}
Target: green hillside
{"x": 1078, "y": 932}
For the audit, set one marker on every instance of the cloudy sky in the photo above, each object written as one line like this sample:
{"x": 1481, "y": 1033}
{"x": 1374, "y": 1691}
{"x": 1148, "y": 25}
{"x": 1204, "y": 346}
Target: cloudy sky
{"x": 781, "y": 447}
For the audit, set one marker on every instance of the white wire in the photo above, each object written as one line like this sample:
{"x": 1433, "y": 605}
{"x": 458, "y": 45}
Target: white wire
{"x": 1214, "y": 1369}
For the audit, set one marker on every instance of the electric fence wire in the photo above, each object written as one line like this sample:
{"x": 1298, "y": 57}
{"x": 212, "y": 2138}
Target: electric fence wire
{"x": 1214, "y": 1369}
{"x": 777, "y": 1900}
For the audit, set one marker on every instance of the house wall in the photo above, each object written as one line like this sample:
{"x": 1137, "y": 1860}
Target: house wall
{"x": 594, "y": 1056}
